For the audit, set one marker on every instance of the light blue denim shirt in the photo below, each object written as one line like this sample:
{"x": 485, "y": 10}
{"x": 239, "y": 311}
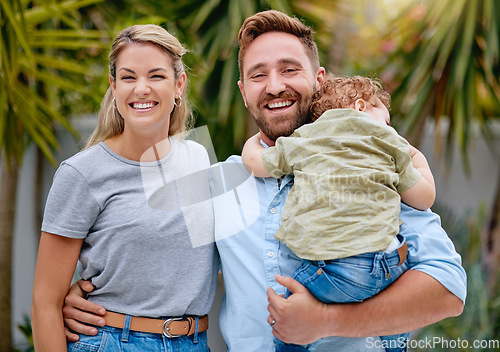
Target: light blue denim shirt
{"x": 247, "y": 213}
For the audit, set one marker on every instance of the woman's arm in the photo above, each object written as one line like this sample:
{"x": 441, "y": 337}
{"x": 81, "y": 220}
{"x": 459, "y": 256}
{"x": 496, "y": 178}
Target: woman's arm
{"x": 56, "y": 262}
{"x": 413, "y": 301}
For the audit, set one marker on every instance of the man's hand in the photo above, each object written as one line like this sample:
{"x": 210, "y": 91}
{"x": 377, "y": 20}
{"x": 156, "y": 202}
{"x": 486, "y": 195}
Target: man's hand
{"x": 78, "y": 311}
{"x": 298, "y": 319}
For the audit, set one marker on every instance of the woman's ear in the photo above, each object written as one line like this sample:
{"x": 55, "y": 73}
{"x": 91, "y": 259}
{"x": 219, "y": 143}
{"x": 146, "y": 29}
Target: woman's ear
{"x": 112, "y": 84}
{"x": 181, "y": 84}
{"x": 360, "y": 105}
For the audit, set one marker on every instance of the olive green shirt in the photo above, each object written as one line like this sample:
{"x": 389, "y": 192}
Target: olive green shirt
{"x": 349, "y": 170}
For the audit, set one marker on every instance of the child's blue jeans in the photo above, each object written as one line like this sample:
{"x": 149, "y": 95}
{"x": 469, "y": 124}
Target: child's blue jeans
{"x": 351, "y": 279}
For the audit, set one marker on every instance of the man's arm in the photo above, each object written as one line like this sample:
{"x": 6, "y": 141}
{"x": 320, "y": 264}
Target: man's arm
{"x": 413, "y": 301}
{"x": 78, "y": 311}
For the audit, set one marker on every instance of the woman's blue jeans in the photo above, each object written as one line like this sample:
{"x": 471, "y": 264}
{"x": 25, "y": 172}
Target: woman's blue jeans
{"x": 109, "y": 339}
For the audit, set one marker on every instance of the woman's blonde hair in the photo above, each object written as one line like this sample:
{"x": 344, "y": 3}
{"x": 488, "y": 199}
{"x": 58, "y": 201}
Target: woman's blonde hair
{"x": 110, "y": 122}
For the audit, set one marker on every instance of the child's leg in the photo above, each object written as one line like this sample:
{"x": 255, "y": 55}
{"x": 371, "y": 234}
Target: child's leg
{"x": 352, "y": 279}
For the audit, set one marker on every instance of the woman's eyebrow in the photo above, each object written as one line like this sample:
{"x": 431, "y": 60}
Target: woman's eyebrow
{"x": 150, "y": 71}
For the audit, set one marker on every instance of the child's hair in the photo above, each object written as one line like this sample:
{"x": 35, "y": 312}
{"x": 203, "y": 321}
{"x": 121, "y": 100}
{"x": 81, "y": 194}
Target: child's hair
{"x": 342, "y": 93}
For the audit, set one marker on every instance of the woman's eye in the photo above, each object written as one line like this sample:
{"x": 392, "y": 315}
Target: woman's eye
{"x": 158, "y": 77}
{"x": 127, "y": 78}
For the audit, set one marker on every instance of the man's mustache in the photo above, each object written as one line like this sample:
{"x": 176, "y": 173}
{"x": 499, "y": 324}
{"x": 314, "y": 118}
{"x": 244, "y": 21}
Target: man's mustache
{"x": 287, "y": 94}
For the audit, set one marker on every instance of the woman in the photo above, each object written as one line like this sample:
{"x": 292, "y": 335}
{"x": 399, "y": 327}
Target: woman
{"x": 155, "y": 283}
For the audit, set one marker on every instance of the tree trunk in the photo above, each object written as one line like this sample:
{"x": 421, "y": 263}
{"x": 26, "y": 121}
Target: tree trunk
{"x": 8, "y": 187}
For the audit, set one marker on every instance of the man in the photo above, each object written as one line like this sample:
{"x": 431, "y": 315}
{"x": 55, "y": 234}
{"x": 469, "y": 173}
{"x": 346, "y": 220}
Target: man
{"x": 279, "y": 71}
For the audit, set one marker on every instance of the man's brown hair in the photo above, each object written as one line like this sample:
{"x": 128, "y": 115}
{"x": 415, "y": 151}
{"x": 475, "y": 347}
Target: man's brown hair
{"x": 342, "y": 93}
{"x": 276, "y": 21}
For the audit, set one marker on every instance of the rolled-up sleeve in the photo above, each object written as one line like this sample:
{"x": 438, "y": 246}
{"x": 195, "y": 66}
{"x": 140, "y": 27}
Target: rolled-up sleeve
{"x": 431, "y": 251}
{"x": 275, "y": 158}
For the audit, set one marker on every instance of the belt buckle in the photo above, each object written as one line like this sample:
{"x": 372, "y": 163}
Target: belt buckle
{"x": 166, "y": 328}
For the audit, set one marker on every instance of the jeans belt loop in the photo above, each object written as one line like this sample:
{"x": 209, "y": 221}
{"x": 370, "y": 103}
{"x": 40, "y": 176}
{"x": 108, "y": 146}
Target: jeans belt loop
{"x": 195, "y": 336}
{"x": 126, "y": 328}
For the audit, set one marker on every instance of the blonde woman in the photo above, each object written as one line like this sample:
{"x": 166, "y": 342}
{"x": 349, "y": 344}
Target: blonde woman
{"x": 155, "y": 284}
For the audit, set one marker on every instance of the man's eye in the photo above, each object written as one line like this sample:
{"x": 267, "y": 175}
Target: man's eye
{"x": 257, "y": 76}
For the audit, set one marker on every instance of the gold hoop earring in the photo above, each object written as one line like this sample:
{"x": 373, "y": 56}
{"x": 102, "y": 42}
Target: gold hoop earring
{"x": 180, "y": 102}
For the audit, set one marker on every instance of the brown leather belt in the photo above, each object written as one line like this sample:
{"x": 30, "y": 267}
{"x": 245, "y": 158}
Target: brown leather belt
{"x": 172, "y": 327}
{"x": 402, "y": 251}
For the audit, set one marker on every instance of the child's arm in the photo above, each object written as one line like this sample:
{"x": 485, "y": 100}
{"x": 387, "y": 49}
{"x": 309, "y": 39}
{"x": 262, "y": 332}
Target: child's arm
{"x": 56, "y": 262}
{"x": 423, "y": 193}
{"x": 252, "y": 156}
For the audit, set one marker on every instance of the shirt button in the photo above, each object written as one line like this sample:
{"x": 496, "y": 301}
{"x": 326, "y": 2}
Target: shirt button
{"x": 270, "y": 254}
{"x": 273, "y": 210}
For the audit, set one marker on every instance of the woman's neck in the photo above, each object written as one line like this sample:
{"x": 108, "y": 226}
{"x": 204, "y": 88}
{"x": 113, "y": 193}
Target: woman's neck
{"x": 136, "y": 148}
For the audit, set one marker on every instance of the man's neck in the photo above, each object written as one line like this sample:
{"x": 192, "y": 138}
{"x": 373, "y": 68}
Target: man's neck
{"x": 266, "y": 140}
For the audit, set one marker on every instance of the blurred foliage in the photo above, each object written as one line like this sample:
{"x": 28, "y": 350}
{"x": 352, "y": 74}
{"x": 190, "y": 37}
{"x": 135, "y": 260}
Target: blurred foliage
{"x": 443, "y": 63}
{"x": 27, "y": 332}
{"x": 480, "y": 320}
{"x": 43, "y": 65}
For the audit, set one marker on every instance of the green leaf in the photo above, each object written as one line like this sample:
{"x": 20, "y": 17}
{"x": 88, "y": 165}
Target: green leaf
{"x": 45, "y": 12}
{"x": 17, "y": 27}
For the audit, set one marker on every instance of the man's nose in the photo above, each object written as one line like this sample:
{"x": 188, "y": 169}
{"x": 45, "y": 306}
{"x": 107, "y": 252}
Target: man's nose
{"x": 275, "y": 84}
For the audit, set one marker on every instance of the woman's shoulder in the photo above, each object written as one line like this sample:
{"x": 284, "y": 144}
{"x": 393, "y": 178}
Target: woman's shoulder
{"x": 84, "y": 158}
{"x": 189, "y": 146}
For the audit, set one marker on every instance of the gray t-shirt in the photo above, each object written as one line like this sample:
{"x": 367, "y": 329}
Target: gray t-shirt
{"x": 142, "y": 260}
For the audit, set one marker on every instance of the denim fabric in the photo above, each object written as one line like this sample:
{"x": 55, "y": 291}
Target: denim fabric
{"x": 351, "y": 279}
{"x": 109, "y": 339}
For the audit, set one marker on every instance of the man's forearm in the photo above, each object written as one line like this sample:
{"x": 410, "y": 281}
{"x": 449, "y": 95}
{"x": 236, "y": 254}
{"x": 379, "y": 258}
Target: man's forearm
{"x": 413, "y": 301}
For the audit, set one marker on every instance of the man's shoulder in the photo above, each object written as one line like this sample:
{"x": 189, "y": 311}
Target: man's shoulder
{"x": 233, "y": 159}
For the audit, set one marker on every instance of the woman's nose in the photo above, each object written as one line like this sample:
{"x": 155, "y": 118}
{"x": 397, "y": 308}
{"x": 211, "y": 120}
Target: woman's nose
{"x": 142, "y": 88}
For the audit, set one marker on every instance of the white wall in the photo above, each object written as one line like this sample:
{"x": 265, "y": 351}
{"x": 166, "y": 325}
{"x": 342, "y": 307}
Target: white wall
{"x": 459, "y": 192}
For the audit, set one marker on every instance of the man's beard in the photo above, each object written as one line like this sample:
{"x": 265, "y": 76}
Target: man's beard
{"x": 271, "y": 126}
